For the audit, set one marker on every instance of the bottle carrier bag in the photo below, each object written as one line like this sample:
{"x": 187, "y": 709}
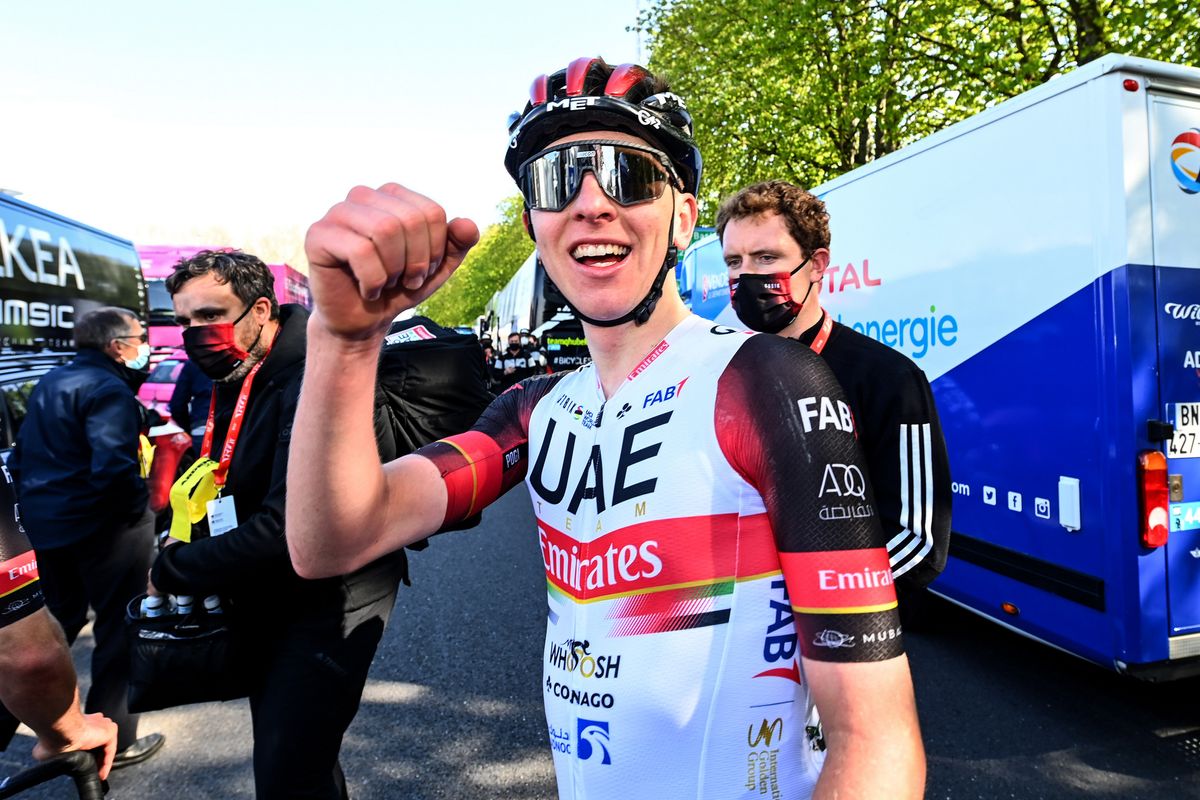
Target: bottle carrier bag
{"x": 176, "y": 660}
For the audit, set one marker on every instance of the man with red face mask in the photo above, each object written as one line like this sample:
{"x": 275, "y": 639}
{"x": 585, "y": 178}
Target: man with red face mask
{"x": 776, "y": 243}
{"x": 312, "y": 641}
{"x": 702, "y": 599}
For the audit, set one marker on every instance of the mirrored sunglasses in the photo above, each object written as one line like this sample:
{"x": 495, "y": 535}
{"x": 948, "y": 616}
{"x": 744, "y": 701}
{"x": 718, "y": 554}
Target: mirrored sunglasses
{"x": 628, "y": 173}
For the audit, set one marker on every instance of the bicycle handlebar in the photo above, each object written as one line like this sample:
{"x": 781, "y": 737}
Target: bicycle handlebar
{"x": 79, "y": 765}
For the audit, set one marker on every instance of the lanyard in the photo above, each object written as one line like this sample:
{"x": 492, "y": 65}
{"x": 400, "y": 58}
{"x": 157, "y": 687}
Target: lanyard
{"x": 202, "y": 483}
{"x": 235, "y": 423}
{"x": 822, "y": 337}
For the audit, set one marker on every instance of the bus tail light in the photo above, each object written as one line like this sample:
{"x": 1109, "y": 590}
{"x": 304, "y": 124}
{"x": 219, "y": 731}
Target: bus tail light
{"x": 1153, "y": 498}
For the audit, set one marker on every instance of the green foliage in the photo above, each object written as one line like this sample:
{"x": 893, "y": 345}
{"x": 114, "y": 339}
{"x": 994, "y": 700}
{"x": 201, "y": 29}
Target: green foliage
{"x": 502, "y": 249}
{"x": 808, "y": 89}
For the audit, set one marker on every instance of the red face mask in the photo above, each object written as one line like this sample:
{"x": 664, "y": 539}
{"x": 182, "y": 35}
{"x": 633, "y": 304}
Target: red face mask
{"x": 213, "y": 348}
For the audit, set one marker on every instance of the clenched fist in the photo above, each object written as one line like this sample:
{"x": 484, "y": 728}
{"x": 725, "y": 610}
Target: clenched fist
{"x": 380, "y": 252}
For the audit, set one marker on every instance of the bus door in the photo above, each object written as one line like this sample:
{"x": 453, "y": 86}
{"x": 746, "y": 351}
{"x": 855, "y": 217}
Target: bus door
{"x": 1175, "y": 201}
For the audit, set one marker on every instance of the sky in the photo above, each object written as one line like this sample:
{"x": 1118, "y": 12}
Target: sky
{"x": 158, "y": 120}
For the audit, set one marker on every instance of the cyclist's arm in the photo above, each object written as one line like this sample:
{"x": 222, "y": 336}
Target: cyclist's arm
{"x": 37, "y": 678}
{"x": 869, "y": 719}
{"x": 344, "y": 512}
{"x": 372, "y": 256}
{"x": 37, "y": 684}
{"x": 345, "y": 509}
{"x": 785, "y": 426}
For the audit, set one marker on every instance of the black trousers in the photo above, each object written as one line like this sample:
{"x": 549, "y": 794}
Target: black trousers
{"x": 313, "y": 675}
{"x": 104, "y": 571}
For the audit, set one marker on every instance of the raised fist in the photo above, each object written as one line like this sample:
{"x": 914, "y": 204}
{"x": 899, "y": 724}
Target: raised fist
{"x": 380, "y": 252}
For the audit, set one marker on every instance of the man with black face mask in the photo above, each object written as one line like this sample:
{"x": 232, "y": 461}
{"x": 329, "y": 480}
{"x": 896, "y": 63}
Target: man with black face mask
{"x": 775, "y": 238}
{"x": 84, "y": 501}
{"x": 313, "y": 640}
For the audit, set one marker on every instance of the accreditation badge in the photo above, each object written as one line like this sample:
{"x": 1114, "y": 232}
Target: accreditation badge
{"x": 222, "y": 515}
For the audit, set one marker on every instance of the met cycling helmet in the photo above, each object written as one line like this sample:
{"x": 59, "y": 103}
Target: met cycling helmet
{"x": 589, "y": 95}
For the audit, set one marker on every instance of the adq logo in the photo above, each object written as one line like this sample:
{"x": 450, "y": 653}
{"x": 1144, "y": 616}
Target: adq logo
{"x": 1185, "y": 160}
{"x": 843, "y": 480}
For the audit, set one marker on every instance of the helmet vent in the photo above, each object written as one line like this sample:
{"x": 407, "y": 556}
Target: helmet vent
{"x": 577, "y": 72}
{"x": 537, "y": 91}
{"x": 624, "y": 78}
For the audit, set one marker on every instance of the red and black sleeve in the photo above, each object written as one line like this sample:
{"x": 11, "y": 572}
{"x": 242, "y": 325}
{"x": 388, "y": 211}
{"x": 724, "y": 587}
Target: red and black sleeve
{"x": 485, "y": 462}
{"x": 20, "y": 592}
{"x": 785, "y": 426}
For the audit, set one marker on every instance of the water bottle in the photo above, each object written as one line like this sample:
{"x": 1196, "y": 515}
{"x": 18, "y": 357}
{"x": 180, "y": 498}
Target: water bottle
{"x": 212, "y": 604}
{"x": 183, "y": 604}
{"x": 153, "y": 606}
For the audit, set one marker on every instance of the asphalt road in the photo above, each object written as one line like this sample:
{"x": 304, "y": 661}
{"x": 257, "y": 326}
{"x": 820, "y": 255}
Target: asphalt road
{"x": 453, "y": 708}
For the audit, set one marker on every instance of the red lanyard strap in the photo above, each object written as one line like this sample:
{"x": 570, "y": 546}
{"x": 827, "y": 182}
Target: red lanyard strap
{"x": 822, "y": 337}
{"x": 235, "y": 423}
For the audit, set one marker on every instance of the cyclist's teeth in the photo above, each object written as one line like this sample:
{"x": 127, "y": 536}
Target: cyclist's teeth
{"x": 599, "y": 250}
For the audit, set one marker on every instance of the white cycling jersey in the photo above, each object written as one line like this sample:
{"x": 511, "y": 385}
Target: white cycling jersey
{"x": 700, "y": 529}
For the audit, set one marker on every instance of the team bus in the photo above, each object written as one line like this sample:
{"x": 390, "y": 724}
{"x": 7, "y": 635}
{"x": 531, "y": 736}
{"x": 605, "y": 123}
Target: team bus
{"x": 1041, "y": 262}
{"x": 52, "y": 270}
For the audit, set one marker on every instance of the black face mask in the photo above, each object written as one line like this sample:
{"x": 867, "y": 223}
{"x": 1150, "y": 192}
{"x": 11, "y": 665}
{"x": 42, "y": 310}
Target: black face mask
{"x": 764, "y": 302}
{"x": 213, "y": 348}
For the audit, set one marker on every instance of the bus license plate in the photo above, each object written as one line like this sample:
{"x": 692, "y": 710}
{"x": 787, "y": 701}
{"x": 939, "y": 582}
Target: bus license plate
{"x": 1185, "y": 443}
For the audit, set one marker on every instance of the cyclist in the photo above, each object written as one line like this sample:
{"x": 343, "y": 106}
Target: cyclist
{"x": 703, "y": 595}
{"x": 37, "y": 676}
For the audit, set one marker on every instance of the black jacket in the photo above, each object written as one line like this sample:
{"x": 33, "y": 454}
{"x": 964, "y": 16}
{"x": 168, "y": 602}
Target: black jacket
{"x": 190, "y": 398}
{"x": 901, "y": 438}
{"x": 76, "y": 458}
{"x": 432, "y": 383}
{"x": 250, "y": 563}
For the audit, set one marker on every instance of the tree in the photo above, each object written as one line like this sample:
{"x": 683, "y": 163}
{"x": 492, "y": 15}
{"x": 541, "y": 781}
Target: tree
{"x": 502, "y": 249}
{"x": 809, "y": 89}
